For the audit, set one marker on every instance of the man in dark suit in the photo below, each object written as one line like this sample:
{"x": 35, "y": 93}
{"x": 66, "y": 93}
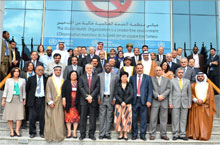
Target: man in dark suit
{"x": 189, "y": 73}
{"x": 15, "y": 55}
{"x": 36, "y": 91}
{"x": 174, "y": 59}
{"x": 142, "y": 86}
{"x": 34, "y": 60}
{"x": 213, "y": 67}
{"x": 90, "y": 56}
{"x": 136, "y": 58}
{"x": 74, "y": 66}
{"x": 96, "y": 67}
{"x": 172, "y": 66}
{"x": 103, "y": 61}
{"x": 192, "y": 64}
{"x": 199, "y": 59}
{"x": 89, "y": 88}
{"x": 161, "y": 57}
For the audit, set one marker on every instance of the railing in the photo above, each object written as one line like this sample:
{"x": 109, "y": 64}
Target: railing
{"x": 2, "y": 83}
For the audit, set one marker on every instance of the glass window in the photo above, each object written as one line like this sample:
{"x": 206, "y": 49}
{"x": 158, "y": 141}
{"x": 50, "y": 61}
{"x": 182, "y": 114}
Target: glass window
{"x": 33, "y": 19}
{"x": 181, "y": 31}
{"x": 58, "y": 5}
{"x": 205, "y": 7}
{"x": 15, "y": 4}
{"x": 14, "y": 23}
{"x": 157, "y": 31}
{"x": 203, "y": 29}
{"x": 157, "y": 6}
{"x": 57, "y": 29}
{"x": 34, "y": 5}
{"x": 180, "y": 6}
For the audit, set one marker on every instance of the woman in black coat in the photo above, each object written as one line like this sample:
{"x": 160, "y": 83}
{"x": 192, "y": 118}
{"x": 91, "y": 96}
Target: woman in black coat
{"x": 70, "y": 95}
{"x": 123, "y": 108}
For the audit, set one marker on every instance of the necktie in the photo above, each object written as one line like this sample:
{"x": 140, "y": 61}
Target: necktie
{"x": 160, "y": 58}
{"x": 89, "y": 81}
{"x": 181, "y": 84}
{"x": 139, "y": 85}
{"x": 7, "y": 50}
{"x": 106, "y": 83}
{"x": 159, "y": 81}
{"x": 38, "y": 86}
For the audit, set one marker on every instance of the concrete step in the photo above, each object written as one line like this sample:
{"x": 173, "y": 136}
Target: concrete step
{"x": 4, "y": 124}
{"x": 40, "y": 141}
{"x": 5, "y": 133}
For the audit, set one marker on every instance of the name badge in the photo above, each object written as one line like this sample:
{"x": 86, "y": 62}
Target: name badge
{"x": 74, "y": 89}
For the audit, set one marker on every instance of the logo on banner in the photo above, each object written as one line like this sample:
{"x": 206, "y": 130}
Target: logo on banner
{"x": 120, "y": 8}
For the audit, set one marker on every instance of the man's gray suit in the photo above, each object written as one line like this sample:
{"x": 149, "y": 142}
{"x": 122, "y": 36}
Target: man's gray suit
{"x": 106, "y": 107}
{"x": 162, "y": 89}
{"x": 69, "y": 68}
{"x": 180, "y": 99}
{"x": 190, "y": 74}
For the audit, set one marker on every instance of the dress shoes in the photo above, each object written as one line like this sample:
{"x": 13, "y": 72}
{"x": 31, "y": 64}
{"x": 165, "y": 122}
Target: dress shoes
{"x": 143, "y": 138}
{"x": 152, "y": 137}
{"x": 108, "y": 137}
{"x": 183, "y": 138}
{"x": 175, "y": 138}
{"x": 81, "y": 137}
{"x": 92, "y": 137}
{"x": 32, "y": 135}
{"x": 101, "y": 137}
{"x": 164, "y": 137}
{"x": 41, "y": 135}
{"x": 134, "y": 137}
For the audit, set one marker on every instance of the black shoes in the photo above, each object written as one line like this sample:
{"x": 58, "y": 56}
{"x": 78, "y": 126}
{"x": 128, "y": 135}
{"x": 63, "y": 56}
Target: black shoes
{"x": 32, "y": 135}
{"x": 175, "y": 138}
{"x": 134, "y": 137}
{"x": 18, "y": 135}
{"x": 41, "y": 135}
{"x": 143, "y": 138}
{"x": 120, "y": 138}
{"x": 92, "y": 137}
{"x": 108, "y": 137}
{"x": 81, "y": 137}
{"x": 183, "y": 138}
{"x": 101, "y": 137}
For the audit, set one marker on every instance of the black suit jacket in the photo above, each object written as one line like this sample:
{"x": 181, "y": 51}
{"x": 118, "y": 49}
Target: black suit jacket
{"x": 97, "y": 70}
{"x": 67, "y": 93}
{"x": 173, "y": 67}
{"x": 215, "y": 71}
{"x": 201, "y": 62}
{"x": 84, "y": 89}
{"x": 164, "y": 58}
{"x": 124, "y": 95}
{"x": 88, "y": 59}
{"x": 31, "y": 89}
{"x": 103, "y": 65}
{"x": 18, "y": 58}
{"x": 133, "y": 63}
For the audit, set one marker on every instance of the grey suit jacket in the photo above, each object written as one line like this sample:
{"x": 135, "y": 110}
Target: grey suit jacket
{"x": 113, "y": 82}
{"x": 162, "y": 89}
{"x": 190, "y": 74}
{"x": 50, "y": 66}
{"x": 69, "y": 68}
{"x": 9, "y": 89}
{"x": 180, "y": 98}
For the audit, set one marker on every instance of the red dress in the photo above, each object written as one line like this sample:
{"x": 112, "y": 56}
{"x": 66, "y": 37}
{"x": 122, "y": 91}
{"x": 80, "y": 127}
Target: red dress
{"x": 73, "y": 115}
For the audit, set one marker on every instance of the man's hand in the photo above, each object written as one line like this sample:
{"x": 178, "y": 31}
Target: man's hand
{"x": 3, "y": 103}
{"x": 199, "y": 102}
{"x": 89, "y": 99}
{"x": 99, "y": 101}
{"x": 215, "y": 62}
{"x": 52, "y": 106}
{"x": 171, "y": 106}
{"x": 148, "y": 104}
{"x": 64, "y": 102}
{"x": 24, "y": 102}
{"x": 189, "y": 107}
{"x": 160, "y": 98}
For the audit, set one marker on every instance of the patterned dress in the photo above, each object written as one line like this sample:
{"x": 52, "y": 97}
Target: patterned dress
{"x": 72, "y": 116}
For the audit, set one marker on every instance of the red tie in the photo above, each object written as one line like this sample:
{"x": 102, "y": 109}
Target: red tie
{"x": 139, "y": 85}
{"x": 89, "y": 80}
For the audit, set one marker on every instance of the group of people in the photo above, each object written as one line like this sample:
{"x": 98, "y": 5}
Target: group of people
{"x": 63, "y": 87}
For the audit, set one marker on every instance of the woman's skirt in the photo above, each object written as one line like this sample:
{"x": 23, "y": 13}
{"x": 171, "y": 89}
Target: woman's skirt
{"x": 14, "y": 110}
{"x": 123, "y": 118}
